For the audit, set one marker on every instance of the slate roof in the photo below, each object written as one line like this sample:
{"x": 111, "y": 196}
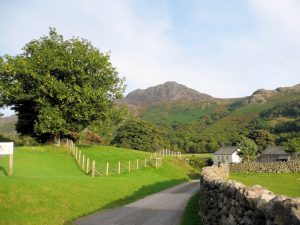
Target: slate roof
{"x": 226, "y": 150}
{"x": 274, "y": 150}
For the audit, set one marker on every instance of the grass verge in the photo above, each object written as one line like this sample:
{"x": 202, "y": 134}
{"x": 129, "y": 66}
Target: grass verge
{"x": 48, "y": 187}
{"x": 190, "y": 215}
{"x": 283, "y": 183}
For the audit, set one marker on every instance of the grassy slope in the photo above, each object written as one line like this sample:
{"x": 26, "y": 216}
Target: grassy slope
{"x": 238, "y": 118}
{"x": 285, "y": 184}
{"x": 182, "y": 112}
{"x": 48, "y": 188}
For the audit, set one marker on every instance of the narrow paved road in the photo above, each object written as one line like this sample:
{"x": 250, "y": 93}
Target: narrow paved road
{"x": 163, "y": 208}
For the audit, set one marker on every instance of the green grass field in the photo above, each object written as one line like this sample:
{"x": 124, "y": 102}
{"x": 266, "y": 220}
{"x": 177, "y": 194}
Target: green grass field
{"x": 48, "y": 187}
{"x": 284, "y": 184}
{"x": 114, "y": 155}
{"x": 190, "y": 215}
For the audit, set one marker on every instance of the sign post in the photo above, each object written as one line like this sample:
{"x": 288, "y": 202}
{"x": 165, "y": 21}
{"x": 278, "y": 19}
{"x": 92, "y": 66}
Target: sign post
{"x": 7, "y": 148}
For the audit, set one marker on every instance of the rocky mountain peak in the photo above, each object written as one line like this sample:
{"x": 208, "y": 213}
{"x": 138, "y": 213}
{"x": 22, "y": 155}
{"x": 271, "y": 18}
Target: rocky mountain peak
{"x": 166, "y": 92}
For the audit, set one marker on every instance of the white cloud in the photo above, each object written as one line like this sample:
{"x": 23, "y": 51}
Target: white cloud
{"x": 145, "y": 51}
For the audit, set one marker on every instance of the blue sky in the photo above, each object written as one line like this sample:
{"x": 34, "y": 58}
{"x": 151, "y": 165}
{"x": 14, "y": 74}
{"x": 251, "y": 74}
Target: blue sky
{"x": 223, "y": 48}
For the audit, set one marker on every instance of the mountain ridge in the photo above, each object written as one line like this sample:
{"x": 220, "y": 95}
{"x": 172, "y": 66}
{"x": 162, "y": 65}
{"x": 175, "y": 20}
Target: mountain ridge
{"x": 169, "y": 91}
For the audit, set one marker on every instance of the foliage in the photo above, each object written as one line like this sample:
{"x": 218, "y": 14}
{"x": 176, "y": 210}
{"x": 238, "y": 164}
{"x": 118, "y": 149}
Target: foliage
{"x": 89, "y": 137}
{"x": 293, "y": 146}
{"x": 139, "y": 135}
{"x": 262, "y": 138}
{"x": 288, "y": 127}
{"x": 47, "y": 176}
{"x": 290, "y": 109}
{"x": 248, "y": 149}
{"x": 58, "y": 87}
{"x": 198, "y": 162}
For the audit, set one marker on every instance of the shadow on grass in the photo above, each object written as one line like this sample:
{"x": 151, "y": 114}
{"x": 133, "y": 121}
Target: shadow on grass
{"x": 140, "y": 193}
{"x": 4, "y": 171}
{"x": 82, "y": 146}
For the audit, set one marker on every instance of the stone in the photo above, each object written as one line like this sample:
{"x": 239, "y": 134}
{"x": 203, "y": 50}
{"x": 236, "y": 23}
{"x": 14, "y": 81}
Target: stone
{"x": 229, "y": 202}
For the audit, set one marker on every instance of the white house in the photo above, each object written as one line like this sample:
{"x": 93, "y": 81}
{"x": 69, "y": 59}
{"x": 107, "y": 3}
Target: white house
{"x": 227, "y": 154}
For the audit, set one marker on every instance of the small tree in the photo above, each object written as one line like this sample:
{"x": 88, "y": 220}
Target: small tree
{"x": 293, "y": 146}
{"x": 248, "y": 149}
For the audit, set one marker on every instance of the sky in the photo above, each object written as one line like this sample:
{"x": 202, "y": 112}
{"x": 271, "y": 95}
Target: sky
{"x": 223, "y": 48}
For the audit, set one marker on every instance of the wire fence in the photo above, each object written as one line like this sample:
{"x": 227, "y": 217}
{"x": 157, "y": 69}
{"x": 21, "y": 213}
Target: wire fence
{"x": 106, "y": 168}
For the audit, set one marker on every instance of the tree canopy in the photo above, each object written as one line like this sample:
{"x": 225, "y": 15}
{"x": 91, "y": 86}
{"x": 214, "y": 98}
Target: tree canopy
{"x": 58, "y": 87}
{"x": 248, "y": 149}
{"x": 262, "y": 138}
{"x": 293, "y": 146}
{"x": 139, "y": 135}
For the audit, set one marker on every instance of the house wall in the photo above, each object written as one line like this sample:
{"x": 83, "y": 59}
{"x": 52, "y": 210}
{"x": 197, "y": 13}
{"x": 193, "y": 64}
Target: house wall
{"x": 269, "y": 157}
{"x": 236, "y": 158}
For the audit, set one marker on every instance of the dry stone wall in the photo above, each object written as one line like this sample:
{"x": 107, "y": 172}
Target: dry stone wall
{"x": 226, "y": 202}
{"x": 291, "y": 166}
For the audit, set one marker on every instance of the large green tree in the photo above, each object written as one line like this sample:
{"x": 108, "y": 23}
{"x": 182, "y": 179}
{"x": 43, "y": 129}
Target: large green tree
{"x": 58, "y": 87}
{"x": 139, "y": 135}
{"x": 262, "y": 138}
{"x": 248, "y": 149}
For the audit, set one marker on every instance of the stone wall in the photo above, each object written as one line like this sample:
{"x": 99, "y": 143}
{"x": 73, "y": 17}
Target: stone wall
{"x": 291, "y": 166}
{"x": 226, "y": 202}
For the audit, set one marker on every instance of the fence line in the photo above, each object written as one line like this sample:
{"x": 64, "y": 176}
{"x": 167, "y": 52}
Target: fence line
{"x": 101, "y": 168}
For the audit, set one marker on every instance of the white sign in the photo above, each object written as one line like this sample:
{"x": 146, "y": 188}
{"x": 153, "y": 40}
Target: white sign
{"x": 6, "y": 148}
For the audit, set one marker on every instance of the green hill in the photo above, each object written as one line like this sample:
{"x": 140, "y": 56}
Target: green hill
{"x": 202, "y": 125}
{"x": 48, "y": 188}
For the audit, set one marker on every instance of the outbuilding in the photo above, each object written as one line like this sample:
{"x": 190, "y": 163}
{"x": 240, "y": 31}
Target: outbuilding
{"x": 273, "y": 154}
{"x": 227, "y": 154}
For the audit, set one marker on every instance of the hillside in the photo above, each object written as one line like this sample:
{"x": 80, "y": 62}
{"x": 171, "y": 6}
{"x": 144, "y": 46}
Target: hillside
{"x": 48, "y": 187}
{"x": 239, "y": 111}
{"x": 204, "y": 124}
{"x": 7, "y": 126}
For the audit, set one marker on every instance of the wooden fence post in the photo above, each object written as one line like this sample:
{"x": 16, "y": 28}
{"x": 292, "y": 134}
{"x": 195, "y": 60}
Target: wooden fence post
{"x": 155, "y": 154}
{"x": 83, "y": 161}
{"x": 79, "y": 160}
{"x": 107, "y": 168}
{"x": 145, "y": 162}
{"x": 119, "y": 167}
{"x": 129, "y": 166}
{"x": 137, "y": 164}
{"x": 155, "y": 163}
{"x": 87, "y": 165}
{"x": 10, "y": 164}
{"x": 93, "y": 168}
